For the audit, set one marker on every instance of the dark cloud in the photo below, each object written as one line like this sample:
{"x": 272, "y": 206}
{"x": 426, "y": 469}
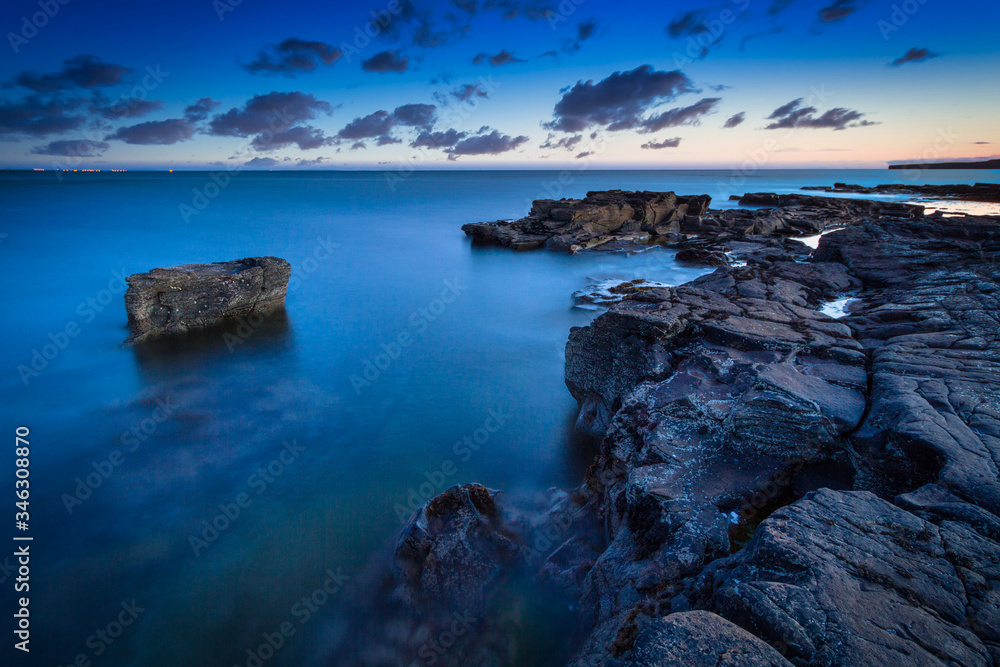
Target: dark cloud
{"x": 303, "y": 136}
{"x": 735, "y": 120}
{"x": 493, "y": 143}
{"x": 438, "y": 139}
{"x": 271, "y": 112}
{"x": 778, "y": 6}
{"x": 386, "y": 139}
{"x": 839, "y": 10}
{"x": 155, "y": 132}
{"x": 666, "y": 143}
{"x": 914, "y": 56}
{"x": 72, "y": 148}
{"x": 83, "y": 71}
{"x": 580, "y": 156}
{"x": 548, "y": 54}
{"x": 201, "y": 109}
{"x": 262, "y": 162}
{"x": 386, "y": 61}
{"x": 428, "y": 24}
{"x": 689, "y": 23}
{"x": 358, "y": 145}
{"x": 38, "y": 117}
{"x": 293, "y": 56}
{"x": 794, "y": 115}
{"x": 584, "y": 31}
{"x": 617, "y": 102}
{"x": 468, "y": 91}
{"x": 416, "y": 115}
{"x": 569, "y": 143}
{"x": 680, "y": 116}
{"x": 982, "y": 143}
{"x": 503, "y": 58}
{"x": 375, "y": 124}
{"x": 123, "y": 107}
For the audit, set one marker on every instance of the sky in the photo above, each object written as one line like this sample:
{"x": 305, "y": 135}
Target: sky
{"x": 497, "y": 84}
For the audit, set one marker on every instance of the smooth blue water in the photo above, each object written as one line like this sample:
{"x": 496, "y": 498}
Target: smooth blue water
{"x": 498, "y": 345}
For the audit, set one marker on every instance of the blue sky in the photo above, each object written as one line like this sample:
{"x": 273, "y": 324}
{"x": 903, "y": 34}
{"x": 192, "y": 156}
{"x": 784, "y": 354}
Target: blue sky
{"x": 497, "y": 83}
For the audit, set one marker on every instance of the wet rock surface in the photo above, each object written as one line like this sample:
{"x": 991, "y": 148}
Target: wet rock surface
{"x": 197, "y": 296}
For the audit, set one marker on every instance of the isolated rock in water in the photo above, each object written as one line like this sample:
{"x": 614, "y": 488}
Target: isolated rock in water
{"x": 194, "y": 296}
{"x": 454, "y": 551}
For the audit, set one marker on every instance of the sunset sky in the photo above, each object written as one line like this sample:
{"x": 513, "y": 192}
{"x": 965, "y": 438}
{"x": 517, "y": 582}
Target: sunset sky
{"x": 497, "y": 84}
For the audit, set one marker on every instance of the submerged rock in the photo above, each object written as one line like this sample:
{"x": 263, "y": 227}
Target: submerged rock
{"x": 196, "y": 296}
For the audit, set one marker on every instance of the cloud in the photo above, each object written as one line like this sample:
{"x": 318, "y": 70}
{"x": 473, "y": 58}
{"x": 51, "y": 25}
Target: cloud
{"x": 83, "y": 71}
{"x": 569, "y": 143}
{"x": 548, "y": 54}
{"x": 155, "y": 132}
{"x": 123, "y": 107}
{"x": 428, "y": 24}
{"x": 200, "y": 110}
{"x": 690, "y": 23}
{"x": 468, "y": 91}
{"x": 38, "y": 117}
{"x": 666, "y": 143}
{"x": 584, "y": 31}
{"x": 794, "y": 115}
{"x": 839, "y": 10}
{"x": 293, "y": 56}
{"x": 438, "y": 139}
{"x": 262, "y": 162}
{"x": 72, "y": 148}
{"x": 304, "y": 136}
{"x": 493, "y": 143}
{"x": 914, "y": 56}
{"x": 982, "y": 143}
{"x": 680, "y": 116}
{"x": 503, "y": 58}
{"x": 268, "y": 113}
{"x": 375, "y": 124}
{"x": 580, "y": 156}
{"x": 735, "y": 120}
{"x": 617, "y": 102}
{"x": 386, "y": 61}
{"x": 315, "y": 162}
{"x": 415, "y": 115}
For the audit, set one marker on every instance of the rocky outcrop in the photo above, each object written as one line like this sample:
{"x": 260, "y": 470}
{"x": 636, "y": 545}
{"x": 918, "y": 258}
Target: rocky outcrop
{"x": 195, "y": 296}
{"x": 776, "y": 486}
{"x": 732, "y": 396}
{"x": 981, "y": 192}
{"x": 598, "y": 219}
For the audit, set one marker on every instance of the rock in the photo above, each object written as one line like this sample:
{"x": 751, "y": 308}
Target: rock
{"x": 846, "y": 578}
{"x": 621, "y": 219}
{"x": 454, "y": 551}
{"x": 981, "y": 192}
{"x": 195, "y": 296}
{"x": 728, "y": 398}
{"x": 699, "y": 639}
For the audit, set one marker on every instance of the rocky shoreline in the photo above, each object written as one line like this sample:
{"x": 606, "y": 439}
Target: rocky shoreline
{"x": 774, "y": 486}
{"x": 979, "y": 192}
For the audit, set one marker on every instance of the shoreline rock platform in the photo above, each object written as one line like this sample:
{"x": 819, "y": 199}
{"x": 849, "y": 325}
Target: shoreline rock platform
{"x": 774, "y": 486}
{"x": 196, "y": 296}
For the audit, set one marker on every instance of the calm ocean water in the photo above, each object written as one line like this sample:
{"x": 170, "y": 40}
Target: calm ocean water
{"x": 134, "y": 451}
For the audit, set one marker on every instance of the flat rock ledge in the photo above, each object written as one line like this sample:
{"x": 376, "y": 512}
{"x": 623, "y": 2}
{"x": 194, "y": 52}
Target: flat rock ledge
{"x": 196, "y": 296}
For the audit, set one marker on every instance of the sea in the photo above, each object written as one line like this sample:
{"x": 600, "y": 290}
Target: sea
{"x": 185, "y": 496}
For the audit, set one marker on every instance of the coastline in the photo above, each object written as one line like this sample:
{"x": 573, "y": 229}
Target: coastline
{"x": 771, "y": 480}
